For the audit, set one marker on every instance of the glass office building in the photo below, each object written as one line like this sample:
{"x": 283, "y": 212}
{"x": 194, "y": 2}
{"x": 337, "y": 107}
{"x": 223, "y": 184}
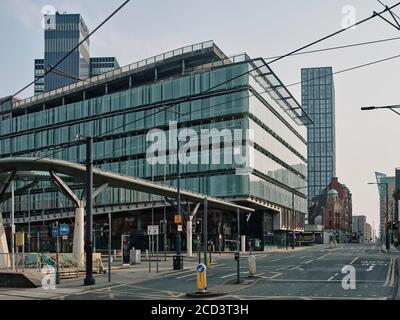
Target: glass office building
{"x": 384, "y": 182}
{"x": 62, "y": 33}
{"x": 119, "y": 108}
{"x": 39, "y": 71}
{"x": 99, "y": 65}
{"x": 318, "y": 100}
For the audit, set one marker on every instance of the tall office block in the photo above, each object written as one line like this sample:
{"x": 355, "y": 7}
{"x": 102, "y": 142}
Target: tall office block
{"x": 59, "y": 38}
{"x": 62, "y": 33}
{"x": 318, "y": 100}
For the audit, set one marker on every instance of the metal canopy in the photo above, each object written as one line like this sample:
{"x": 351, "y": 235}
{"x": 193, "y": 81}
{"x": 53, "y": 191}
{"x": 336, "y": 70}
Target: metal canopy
{"x": 115, "y": 180}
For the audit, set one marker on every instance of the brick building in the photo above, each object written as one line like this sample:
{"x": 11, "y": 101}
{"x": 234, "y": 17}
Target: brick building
{"x": 333, "y": 209}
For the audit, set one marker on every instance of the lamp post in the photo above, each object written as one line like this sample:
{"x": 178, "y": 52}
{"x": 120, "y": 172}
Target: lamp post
{"x": 392, "y": 108}
{"x": 293, "y": 212}
{"x": 386, "y": 213}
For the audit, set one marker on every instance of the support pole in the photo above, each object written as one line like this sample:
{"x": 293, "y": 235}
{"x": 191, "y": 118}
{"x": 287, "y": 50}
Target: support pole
{"x": 89, "y": 280}
{"x": 109, "y": 247}
{"x": 189, "y": 236}
{"x": 205, "y": 231}
{"x": 12, "y": 227}
{"x": 238, "y": 247}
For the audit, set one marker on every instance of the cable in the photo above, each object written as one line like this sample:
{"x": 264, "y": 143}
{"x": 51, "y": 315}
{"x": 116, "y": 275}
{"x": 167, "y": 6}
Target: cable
{"x": 386, "y": 6}
{"x": 72, "y": 50}
{"x": 289, "y": 85}
{"x": 339, "y": 47}
{"x": 273, "y": 61}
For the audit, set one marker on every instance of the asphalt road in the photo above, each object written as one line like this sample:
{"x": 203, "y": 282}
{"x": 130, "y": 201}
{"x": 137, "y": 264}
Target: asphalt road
{"x": 312, "y": 273}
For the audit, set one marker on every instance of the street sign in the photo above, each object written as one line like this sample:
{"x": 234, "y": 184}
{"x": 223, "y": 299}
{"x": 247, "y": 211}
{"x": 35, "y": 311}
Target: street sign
{"x": 180, "y": 227}
{"x": 152, "y": 230}
{"x": 201, "y": 277}
{"x": 20, "y": 239}
{"x": 178, "y": 218}
{"x": 55, "y": 232}
{"x": 64, "y": 230}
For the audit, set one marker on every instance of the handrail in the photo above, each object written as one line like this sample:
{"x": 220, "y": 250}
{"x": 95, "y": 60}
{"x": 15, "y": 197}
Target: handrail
{"x": 132, "y": 66}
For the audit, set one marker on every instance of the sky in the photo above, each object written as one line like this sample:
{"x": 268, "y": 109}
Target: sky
{"x": 261, "y": 28}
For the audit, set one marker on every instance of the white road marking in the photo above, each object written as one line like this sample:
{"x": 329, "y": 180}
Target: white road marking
{"x": 309, "y": 261}
{"x": 321, "y": 257}
{"x": 331, "y": 278}
{"x": 277, "y": 275}
{"x": 228, "y": 275}
{"x": 354, "y": 260}
{"x": 393, "y": 271}
{"x": 389, "y": 272}
{"x": 303, "y": 257}
{"x": 275, "y": 260}
{"x": 185, "y": 276}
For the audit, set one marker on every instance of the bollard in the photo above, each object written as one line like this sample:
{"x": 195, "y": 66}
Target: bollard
{"x": 201, "y": 278}
{"x": 252, "y": 266}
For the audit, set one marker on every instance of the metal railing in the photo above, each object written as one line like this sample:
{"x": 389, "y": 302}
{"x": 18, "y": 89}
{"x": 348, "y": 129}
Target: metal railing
{"x": 118, "y": 71}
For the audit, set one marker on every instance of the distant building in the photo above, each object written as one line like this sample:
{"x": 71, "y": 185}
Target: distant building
{"x": 333, "y": 209}
{"x": 361, "y": 229}
{"x": 102, "y": 64}
{"x": 62, "y": 33}
{"x": 318, "y": 100}
{"x": 386, "y": 212}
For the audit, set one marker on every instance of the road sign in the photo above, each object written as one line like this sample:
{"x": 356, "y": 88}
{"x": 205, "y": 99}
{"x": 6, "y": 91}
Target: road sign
{"x": 178, "y": 218}
{"x": 20, "y": 239}
{"x": 201, "y": 277}
{"x": 180, "y": 228}
{"x": 55, "y": 232}
{"x": 152, "y": 230}
{"x": 64, "y": 230}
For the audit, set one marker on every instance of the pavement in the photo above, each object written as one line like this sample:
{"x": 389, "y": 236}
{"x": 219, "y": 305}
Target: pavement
{"x": 308, "y": 273}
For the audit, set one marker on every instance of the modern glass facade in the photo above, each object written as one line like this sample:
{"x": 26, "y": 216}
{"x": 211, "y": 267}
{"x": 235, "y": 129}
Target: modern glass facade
{"x": 318, "y": 100}
{"x": 385, "y": 182}
{"x": 101, "y": 65}
{"x": 62, "y": 33}
{"x": 120, "y": 116}
{"x": 39, "y": 71}
{"x": 59, "y": 39}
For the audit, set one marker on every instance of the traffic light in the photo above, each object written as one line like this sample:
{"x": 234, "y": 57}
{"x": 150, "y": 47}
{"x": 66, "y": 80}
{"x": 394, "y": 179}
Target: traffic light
{"x": 198, "y": 226}
{"x": 106, "y": 229}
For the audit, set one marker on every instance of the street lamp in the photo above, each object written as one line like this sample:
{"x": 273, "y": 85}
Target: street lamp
{"x": 387, "y": 212}
{"x": 392, "y": 108}
{"x": 293, "y": 212}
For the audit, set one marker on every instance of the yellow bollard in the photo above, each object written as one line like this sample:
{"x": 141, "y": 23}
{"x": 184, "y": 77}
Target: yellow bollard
{"x": 201, "y": 278}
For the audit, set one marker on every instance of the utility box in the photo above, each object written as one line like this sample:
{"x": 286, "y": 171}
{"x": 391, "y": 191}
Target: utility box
{"x": 135, "y": 256}
{"x": 252, "y": 265}
{"x": 178, "y": 262}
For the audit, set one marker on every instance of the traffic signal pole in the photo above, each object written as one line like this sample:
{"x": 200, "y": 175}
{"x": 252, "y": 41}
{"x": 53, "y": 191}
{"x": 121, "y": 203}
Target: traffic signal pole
{"x": 205, "y": 230}
{"x": 89, "y": 279}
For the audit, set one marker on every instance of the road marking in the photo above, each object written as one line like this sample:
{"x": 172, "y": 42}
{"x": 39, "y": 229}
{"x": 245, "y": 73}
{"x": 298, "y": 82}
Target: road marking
{"x": 228, "y": 275}
{"x": 296, "y": 267}
{"x": 277, "y": 275}
{"x": 259, "y": 274}
{"x": 389, "y": 272}
{"x": 354, "y": 260}
{"x": 275, "y": 260}
{"x": 321, "y": 257}
{"x": 309, "y": 261}
{"x": 331, "y": 278}
{"x": 185, "y": 276}
{"x": 393, "y": 271}
{"x": 303, "y": 257}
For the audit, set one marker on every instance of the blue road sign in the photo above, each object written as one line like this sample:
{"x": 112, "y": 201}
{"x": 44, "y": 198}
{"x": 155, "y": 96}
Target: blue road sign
{"x": 201, "y": 268}
{"x": 64, "y": 230}
{"x": 55, "y": 232}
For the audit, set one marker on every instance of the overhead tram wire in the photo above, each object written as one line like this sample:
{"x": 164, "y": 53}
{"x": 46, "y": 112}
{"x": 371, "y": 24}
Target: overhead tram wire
{"x": 256, "y": 68}
{"x": 65, "y": 146}
{"x": 72, "y": 50}
{"x": 289, "y": 85}
{"x": 339, "y": 47}
{"x": 61, "y": 147}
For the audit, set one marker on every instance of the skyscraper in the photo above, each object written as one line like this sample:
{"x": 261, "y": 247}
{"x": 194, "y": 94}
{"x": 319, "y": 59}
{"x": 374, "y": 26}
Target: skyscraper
{"x": 318, "y": 100}
{"x": 62, "y": 33}
{"x": 59, "y": 38}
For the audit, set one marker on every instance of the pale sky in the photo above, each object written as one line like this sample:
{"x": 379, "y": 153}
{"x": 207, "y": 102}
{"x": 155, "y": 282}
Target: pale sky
{"x": 262, "y": 28}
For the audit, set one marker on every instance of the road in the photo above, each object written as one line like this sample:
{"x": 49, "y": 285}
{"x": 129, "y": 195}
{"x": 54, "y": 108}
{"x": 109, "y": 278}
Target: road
{"x": 312, "y": 273}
